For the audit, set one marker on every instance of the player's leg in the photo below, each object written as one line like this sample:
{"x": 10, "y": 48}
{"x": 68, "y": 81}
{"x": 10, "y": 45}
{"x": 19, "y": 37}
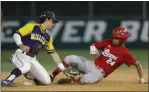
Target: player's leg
{"x": 78, "y": 62}
{"x": 39, "y": 73}
{"x": 74, "y": 61}
{"x": 90, "y": 73}
{"x": 21, "y": 61}
{"x": 93, "y": 74}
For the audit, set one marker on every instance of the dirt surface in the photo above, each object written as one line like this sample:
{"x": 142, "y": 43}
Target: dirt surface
{"x": 120, "y": 80}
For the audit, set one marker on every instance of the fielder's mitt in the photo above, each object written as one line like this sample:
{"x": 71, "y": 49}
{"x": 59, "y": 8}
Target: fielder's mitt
{"x": 65, "y": 81}
{"x": 72, "y": 73}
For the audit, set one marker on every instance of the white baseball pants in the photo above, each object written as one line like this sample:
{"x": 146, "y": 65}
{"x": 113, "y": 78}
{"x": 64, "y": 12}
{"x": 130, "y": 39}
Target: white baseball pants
{"x": 29, "y": 64}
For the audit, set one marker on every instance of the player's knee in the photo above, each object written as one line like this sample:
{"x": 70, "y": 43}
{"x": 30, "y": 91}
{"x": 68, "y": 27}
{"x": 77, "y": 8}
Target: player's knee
{"x": 46, "y": 81}
{"x": 70, "y": 57}
{"x": 25, "y": 68}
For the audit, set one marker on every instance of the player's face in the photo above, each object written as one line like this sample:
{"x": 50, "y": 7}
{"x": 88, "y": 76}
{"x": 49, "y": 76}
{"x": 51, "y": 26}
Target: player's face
{"x": 116, "y": 41}
{"x": 50, "y": 24}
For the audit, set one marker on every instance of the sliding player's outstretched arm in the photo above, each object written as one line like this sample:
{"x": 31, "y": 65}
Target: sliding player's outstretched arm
{"x": 140, "y": 72}
{"x": 130, "y": 60}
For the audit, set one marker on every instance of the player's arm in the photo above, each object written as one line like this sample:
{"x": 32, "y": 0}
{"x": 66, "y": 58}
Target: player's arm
{"x": 50, "y": 49}
{"x": 130, "y": 60}
{"x": 95, "y": 46}
{"x": 18, "y": 41}
{"x": 23, "y": 31}
{"x": 140, "y": 72}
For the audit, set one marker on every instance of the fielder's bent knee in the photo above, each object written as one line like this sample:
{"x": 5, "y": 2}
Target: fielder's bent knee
{"x": 46, "y": 81}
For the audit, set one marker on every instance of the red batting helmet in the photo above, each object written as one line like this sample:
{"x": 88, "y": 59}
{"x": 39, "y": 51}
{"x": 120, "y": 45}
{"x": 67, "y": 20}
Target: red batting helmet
{"x": 121, "y": 33}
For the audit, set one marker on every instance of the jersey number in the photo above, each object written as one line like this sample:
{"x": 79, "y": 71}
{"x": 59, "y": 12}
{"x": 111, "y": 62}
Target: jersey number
{"x": 110, "y": 61}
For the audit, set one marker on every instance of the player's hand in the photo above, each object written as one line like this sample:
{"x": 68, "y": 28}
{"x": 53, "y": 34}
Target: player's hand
{"x": 94, "y": 50}
{"x": 24, "y": 48}
{"x": 142, "y": 81}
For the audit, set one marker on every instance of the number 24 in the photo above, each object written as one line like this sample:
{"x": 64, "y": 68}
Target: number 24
{"x": 110, "y": 61}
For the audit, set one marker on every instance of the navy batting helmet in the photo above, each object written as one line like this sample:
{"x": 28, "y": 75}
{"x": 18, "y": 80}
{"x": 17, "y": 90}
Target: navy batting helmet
{"x": 49, "y": 15}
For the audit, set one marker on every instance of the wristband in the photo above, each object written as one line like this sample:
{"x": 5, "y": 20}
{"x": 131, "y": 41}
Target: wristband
{"x": 61, "y": 66}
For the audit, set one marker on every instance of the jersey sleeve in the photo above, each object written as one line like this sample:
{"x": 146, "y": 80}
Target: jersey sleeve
{"x": 25, "y": 30}
{"x": 129, "y": 59}
{"x": 101, "y": 44}
{"x": 49, "y": 46}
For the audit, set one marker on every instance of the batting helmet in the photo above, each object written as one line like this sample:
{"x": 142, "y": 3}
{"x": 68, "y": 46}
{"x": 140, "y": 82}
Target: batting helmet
{"x": 49, "y": 15}
{"x": 120, "y": 33}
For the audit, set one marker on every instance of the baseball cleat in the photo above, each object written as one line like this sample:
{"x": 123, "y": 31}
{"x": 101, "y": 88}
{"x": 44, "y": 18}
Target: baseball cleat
{"x": 52, "y": 78}
{"x": 37, "y": 82}
{"x": 7, "y": 83}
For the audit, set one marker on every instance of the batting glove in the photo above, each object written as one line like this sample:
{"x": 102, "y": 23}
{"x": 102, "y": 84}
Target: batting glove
{"x": 93, "y": 50}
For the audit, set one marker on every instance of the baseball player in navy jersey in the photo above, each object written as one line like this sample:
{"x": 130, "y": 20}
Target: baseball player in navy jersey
{"x": 30, "y": 39}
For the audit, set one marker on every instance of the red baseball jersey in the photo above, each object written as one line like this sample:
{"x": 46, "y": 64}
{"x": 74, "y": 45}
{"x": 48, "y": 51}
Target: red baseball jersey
{"x": 112, "y": 56}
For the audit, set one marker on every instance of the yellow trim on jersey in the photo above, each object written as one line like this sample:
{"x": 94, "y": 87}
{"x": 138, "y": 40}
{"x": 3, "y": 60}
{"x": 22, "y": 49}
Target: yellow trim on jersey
{"x": 27, "y": 29}
{"x": 51, "y": 51}
{"x": 49, "y": 45}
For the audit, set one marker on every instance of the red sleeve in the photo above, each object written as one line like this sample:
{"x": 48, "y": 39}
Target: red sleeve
{"x": 129, "y": 59}
{"x": 101, "y": 44}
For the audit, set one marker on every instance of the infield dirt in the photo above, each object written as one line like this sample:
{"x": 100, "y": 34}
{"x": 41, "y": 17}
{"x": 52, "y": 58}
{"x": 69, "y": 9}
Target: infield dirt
{"x": 120, "y": 80}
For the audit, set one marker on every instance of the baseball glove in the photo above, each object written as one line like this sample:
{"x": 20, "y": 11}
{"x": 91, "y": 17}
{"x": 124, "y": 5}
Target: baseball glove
{"x": 72, "y": 73}
{"x": 65, "y": 81}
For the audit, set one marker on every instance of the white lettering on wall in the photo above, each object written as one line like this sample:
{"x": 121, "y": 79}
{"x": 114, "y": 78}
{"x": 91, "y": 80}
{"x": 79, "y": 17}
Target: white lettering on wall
{"x": 94, "y": 29}
{"x": 144, "y": 34}
{"x": 70, "y": 33}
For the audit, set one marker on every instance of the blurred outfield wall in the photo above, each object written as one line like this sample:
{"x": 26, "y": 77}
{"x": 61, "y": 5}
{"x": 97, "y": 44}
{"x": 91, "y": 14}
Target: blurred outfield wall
{"x": 81, "y": 32}
{"x": 80, "y": 23}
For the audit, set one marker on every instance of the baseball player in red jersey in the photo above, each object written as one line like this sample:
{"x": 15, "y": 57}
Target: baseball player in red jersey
{"x": 113, "y": 55}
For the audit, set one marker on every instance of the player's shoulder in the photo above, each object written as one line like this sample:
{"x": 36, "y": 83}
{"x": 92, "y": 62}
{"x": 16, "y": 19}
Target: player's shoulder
{"x": 126, "y": 50}
{"x": 49, "y": 35}
{"x": 32, "y": 24}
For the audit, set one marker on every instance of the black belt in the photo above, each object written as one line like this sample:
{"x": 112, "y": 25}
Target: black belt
{"x": 29, "y": 54}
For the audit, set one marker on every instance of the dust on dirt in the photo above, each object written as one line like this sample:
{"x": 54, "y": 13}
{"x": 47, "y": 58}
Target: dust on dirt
{"x": 120, "y": 80}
